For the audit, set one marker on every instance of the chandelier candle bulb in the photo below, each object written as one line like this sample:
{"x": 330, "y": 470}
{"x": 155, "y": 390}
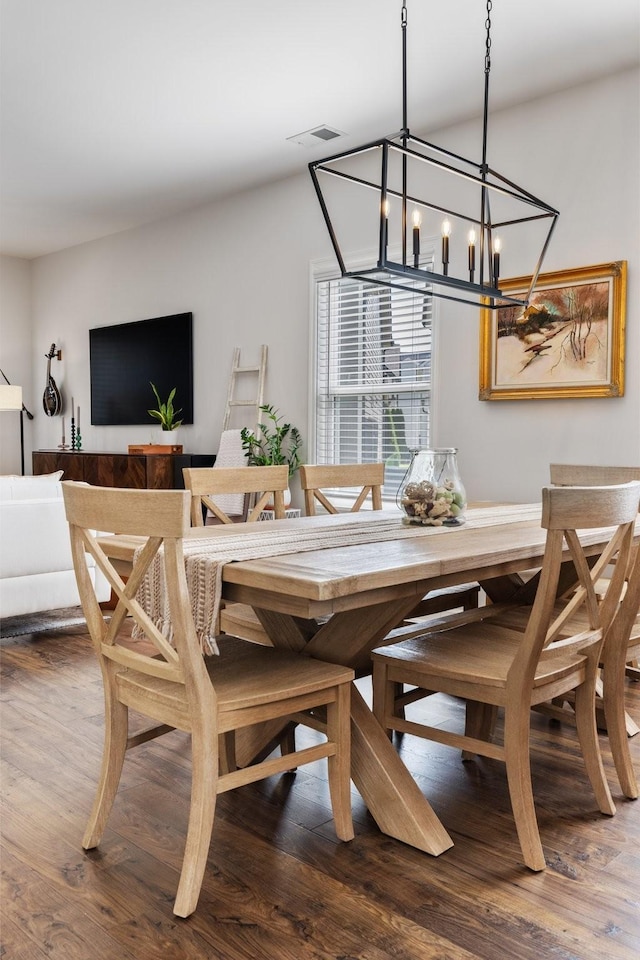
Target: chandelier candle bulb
{"x": 385, "y": 225}
{"x": 497, "y": 247}
{"x": 472, "y": 253}
{"x": 416, "y": 237}
{"x": 446, "y": 232}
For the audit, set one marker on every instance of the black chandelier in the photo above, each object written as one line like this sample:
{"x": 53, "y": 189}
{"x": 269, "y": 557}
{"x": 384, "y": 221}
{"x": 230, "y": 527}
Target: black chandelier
{"x": 477, "y": 213}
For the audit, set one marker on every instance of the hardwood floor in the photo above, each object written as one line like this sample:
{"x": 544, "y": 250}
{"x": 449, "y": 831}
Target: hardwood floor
{"x": 278, "y": 885}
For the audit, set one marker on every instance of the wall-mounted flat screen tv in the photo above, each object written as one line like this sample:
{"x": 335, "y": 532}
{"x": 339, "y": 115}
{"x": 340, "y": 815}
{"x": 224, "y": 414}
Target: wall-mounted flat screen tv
{"x": 126, "y": 358}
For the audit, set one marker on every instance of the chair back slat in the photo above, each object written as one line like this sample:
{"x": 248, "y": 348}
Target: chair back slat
{"x": 165, "y": 512}
{"x": 318, "y": 480}
{"x": 589, "y": 475}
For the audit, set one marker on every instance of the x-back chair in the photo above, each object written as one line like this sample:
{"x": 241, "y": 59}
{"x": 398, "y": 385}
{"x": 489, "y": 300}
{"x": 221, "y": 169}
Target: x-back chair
{"x": 205, "y": 483}
{"x": 621, "y": 650}
{"x": 515, "y": 663}
{"x": 176, "y": 687}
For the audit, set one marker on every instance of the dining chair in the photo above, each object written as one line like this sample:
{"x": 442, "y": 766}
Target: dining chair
{"x": 171, "y": 683}
{"x": 498, "y": 664}
{"x": 621, "y": 649}
{"x": 206, "y": 483}
{"x": 363, "y": 482}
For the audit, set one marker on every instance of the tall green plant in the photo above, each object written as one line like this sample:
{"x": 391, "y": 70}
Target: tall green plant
{"x": 273, "y": 442}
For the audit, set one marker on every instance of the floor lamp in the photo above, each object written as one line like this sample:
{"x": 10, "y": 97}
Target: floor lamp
{"x": 10, "y": 400}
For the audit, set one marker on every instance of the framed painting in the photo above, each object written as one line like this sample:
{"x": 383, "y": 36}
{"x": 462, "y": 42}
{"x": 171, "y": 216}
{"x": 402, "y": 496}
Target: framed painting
{"x": 568, "y": 342}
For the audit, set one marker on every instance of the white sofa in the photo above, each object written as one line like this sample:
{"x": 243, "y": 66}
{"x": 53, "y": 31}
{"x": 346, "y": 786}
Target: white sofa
{"x": 36, "y": 569}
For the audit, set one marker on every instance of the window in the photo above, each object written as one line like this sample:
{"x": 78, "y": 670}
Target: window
{"x": 372, "y": 375}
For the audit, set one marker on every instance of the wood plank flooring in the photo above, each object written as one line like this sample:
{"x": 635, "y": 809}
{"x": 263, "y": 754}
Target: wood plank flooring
{"x": 278, "y": 884}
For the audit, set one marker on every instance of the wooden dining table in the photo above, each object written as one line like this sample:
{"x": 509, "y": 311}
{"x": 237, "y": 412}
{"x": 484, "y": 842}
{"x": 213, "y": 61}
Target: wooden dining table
{"x": 338, "y": 602}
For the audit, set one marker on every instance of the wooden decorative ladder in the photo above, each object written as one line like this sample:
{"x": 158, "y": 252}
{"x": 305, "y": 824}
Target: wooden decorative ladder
{"x": 237, "y": 371}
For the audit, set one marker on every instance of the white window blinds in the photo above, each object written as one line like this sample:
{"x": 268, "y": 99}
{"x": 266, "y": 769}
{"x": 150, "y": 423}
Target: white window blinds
{"x": 373, "y": 375}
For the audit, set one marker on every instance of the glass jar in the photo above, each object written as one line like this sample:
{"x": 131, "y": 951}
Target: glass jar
{"x": 433, "y": 493}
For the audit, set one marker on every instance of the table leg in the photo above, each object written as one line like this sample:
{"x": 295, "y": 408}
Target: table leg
{"x": 388, "y": 789}
{"x": 391, "y": 794}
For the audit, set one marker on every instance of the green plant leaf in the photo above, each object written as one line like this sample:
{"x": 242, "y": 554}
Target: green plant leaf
{"x": 165, "y": 412}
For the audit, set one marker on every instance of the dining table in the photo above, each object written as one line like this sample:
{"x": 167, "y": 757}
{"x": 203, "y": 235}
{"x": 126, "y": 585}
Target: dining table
{"x": 334, "y": 587}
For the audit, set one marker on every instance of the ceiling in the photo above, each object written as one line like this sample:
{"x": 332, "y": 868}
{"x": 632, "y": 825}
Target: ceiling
{"x": 115, "y": 113}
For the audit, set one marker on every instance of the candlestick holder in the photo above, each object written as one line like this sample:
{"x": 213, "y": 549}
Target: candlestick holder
{"x": 78, "y": 441}
{"x": 63, "y": 445}
{"x": 73, "y": 433}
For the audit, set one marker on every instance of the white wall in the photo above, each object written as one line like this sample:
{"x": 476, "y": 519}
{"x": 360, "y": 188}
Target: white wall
{"x": 16, "y": 359}
{"x": 242, "y": 267}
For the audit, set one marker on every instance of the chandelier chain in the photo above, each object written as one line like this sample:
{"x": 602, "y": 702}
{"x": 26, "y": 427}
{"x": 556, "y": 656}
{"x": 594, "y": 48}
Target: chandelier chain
{"x": 403, "y": 24}
{"x": 487, "y": 23}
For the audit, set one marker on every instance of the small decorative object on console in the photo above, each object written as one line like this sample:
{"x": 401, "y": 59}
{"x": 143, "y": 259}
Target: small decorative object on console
{"x": 146, "y": 449}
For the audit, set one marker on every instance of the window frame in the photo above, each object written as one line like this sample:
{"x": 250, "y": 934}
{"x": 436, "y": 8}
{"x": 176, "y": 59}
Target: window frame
{"x": 326, "y": 270}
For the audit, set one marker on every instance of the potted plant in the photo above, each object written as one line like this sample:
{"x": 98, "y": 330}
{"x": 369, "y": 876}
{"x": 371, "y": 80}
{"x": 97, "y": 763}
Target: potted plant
{"x": 273, "y": 442}
{"x": 166, "y": 414}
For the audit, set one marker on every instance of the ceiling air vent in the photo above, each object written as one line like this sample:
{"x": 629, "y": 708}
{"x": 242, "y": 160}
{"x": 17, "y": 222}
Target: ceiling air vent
{"x": 311, "y": 138}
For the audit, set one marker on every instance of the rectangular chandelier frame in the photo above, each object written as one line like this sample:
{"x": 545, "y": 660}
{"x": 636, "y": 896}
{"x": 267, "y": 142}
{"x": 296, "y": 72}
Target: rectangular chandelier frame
{"x": 401, "y": 272}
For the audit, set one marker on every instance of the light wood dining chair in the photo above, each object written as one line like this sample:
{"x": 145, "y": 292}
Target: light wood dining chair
{"x": 621, "y": 650}
{"x": 364, "y": 481}
{"x": 176, "y": 687}
{"x": 493, "y": 663}
{"x": 206, "y": 483}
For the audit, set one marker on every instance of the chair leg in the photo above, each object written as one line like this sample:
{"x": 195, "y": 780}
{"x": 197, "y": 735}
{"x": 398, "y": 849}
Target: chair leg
{"x": 227, "y": 752}
{"x": 472, "y": 600}
{"x": 288, "y": 741}
{"x": 384, "y": 696}
{"x": 339, "y": 732}
{"x": 480, "y": 721}
{"x": 588, "y": 735}
{"x": 398, "y": 690}
{"x": 613, "y": 681}
{"x": 204, "y": 765}
{"x": 115, "y": 746}
{"x": 516, "y": 747}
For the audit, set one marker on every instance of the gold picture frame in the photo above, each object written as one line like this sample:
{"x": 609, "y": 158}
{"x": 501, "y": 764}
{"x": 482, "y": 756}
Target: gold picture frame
{"x": 569, "y": 341}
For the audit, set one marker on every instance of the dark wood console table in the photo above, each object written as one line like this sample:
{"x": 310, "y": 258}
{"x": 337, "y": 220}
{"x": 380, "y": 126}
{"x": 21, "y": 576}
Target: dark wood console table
{"x": 158, "y": 471}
